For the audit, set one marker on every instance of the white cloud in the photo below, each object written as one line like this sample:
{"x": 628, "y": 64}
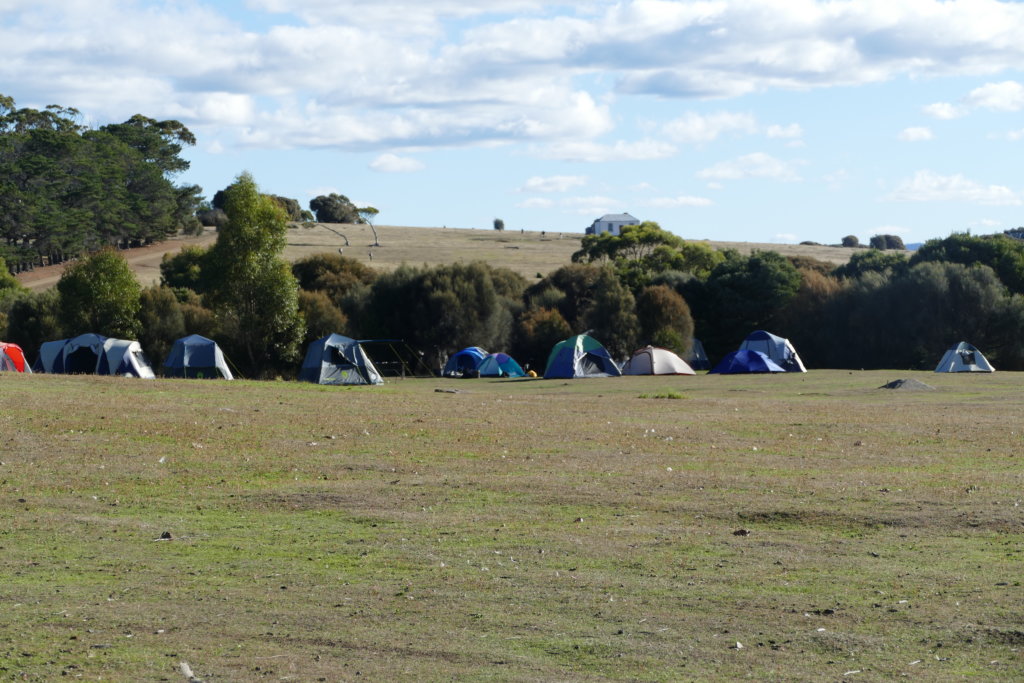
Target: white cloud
{"x": 928, "y": 186}
{"x": 944, "y": 111}
{"x": 392, "y": 163}
{"x": 1005, "y": 96}
{"x": 594, "y": 152}
{"x": 556, "y": 183}
{"x": 355, "y": 75}
{"x": 592, "y": 206}
{"x": 1015, "y": 135}
{"x": 696, "y": 128}
{"x": 757, "y": 165}
{"x": 676, "y": 202}
{"x": 536, "y": 203}
{"x": 916, "y": 134}
{"x": 793, "y": 130}
{"x": 785, "y": 237}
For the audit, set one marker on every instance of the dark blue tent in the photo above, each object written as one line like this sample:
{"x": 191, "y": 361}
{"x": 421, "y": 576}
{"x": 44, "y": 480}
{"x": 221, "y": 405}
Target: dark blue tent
{"x": 740, "y": 362}
{"x": 196, "y": 357}
{"x": 464, "y": 362}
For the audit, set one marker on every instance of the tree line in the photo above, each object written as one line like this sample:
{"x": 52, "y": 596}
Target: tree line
{"x": 879, "y": 310}
{"x": 67, "y": 189}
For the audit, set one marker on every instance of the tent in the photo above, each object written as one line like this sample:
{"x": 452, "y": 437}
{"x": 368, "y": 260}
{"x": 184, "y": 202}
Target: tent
{"x": 196, "y": 357}
{"x": 654, "y": 360}
{"x": 335, "y": 359}
{"x": 741, "y": 362}
{"x": 500, "y": 365}
{"x": 12, "y": 358}
{"x": 464, "y": 362}
{"x": 93, "y": 354}
{"x": 696, "y": 357}
{"x": 776, "y": 348}
{"x": 963, "y": 357}
{"x": 580, "y": 356}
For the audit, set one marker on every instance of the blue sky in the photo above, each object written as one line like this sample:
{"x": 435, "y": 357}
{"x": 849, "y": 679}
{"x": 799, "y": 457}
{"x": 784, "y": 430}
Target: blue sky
{"x": 752, "y": 120}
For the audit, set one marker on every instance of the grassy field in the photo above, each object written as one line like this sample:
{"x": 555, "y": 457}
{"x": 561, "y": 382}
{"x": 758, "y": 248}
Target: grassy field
{"x": 796, "y": 527}
{"x": 528, "y": 253}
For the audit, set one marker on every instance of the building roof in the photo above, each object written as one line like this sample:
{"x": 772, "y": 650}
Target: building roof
{"x": 617, "y": 218}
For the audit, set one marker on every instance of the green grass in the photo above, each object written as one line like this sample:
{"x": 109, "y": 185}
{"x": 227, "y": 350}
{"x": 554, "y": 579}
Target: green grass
{"x": 516, "y": 530}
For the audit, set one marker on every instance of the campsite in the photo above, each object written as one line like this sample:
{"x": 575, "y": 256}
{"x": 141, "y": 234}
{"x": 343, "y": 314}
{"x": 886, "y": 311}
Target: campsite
{"x": 798, "y": 526}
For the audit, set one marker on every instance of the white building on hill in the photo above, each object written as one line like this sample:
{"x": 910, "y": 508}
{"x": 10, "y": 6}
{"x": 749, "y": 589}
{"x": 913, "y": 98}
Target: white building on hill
{"x": 612, "y": 222}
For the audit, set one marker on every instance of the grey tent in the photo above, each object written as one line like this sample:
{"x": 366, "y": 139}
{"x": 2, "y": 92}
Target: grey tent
{"x": 93, "y": 354}
{"x": 780, "y": 350}
{"x": 196, "y": 357}
{"x": 963, "y": 357}
{"x": 336, "y": 359}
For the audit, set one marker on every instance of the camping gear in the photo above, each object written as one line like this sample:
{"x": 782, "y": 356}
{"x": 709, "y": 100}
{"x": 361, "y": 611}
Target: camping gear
{"x": 745, "y": 361}
{"x": 196, "y": 357}
{"x": 964, "y": 357}
{"x": 12, "y": 358}
{"x": 580, "y": 356}
{"x": 776, "y": 348}
{"x": 464, "y": 363}
{"x": 93, "y": 354}
{"x": 654, "y": 360}
{"x": 696, "y": 358}
{"x": 336, "y": 359}
{"x": 500, "y": 365}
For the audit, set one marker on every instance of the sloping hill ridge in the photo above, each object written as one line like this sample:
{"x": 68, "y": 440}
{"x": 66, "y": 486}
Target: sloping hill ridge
{"x": 530, "y": 253}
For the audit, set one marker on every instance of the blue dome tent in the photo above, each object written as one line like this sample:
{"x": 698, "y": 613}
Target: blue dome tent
{"x": 196, "y": 357}
{"x": 776, "y": 348}
{"x": 742, "y": 362}
{"x": 464, "y": 362}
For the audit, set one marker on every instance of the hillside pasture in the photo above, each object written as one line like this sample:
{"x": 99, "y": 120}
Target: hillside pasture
{"x": 794, "y": 527}
{"x": 529, "y": 253}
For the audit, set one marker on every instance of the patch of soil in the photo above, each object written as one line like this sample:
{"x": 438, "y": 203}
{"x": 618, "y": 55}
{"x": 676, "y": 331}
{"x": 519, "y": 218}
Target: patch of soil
{"x": 908, "y": 385}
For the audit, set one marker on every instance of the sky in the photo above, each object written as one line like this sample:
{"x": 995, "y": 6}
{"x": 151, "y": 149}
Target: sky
{"x": 745, "y": 120}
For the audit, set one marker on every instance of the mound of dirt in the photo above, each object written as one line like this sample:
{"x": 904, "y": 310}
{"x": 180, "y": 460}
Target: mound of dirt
{"x": 908, "y": 385}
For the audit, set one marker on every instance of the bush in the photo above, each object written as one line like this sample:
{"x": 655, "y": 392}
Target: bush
{"x": 161, "y": 321}
{"x": 100, "y": 294}
{"x": 851, "y": 241}
{"x": 321, "y": 315}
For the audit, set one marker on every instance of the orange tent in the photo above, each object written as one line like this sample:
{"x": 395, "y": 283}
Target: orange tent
{"x": 12, "y": 358}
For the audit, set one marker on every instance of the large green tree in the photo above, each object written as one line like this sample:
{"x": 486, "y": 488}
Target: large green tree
{"x": 66, "y": 189}
{"x": 100, "y": 294}
{"x": 640, "y": 253}
{"x": 251, "y": 288}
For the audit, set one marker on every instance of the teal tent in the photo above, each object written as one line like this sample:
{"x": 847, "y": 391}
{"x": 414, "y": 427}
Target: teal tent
{"x": 500, "y": 365}
{"x": 580, "y": 356}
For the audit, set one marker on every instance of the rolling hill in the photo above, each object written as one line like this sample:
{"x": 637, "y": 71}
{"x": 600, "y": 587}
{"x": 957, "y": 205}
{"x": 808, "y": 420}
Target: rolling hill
{"x": 529, "y": 253}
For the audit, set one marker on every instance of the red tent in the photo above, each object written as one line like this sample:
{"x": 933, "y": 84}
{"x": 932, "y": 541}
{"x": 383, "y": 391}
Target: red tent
{"x": 12, "y": 358}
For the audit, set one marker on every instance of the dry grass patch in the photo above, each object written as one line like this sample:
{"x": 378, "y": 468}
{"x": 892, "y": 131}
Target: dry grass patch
{"x": 536, "y": 530}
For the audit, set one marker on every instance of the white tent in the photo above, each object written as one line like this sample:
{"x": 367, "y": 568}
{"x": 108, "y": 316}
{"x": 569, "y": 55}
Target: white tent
{"x": 776, "y": 348}
{"x": 94, "y": 354}
{"x": 963, "y": 357}
{"x": 654, "y": 360}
